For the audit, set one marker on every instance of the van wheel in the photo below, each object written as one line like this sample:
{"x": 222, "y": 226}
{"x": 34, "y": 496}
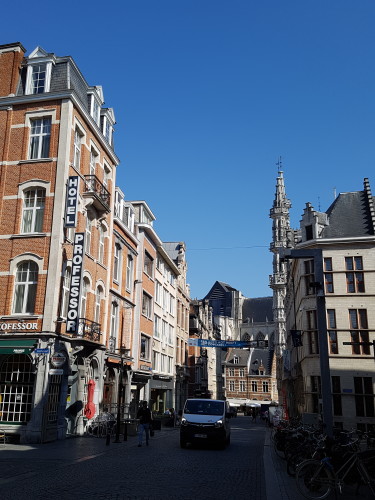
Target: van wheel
{"x": 183, "y": 442}
{"x": 223, "y": 444}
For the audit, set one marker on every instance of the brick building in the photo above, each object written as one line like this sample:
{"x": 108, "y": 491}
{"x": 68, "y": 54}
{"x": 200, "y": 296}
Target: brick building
{"x": 58, "y": 170}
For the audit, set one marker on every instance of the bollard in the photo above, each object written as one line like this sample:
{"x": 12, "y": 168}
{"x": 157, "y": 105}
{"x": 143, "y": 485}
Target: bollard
{"x": 108, "y": 439}
{"x": 125, "y": 431}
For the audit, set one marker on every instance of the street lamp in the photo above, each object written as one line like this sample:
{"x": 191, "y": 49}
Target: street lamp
{"x": 317, "y": 255}
{"x": 119, "y": 393}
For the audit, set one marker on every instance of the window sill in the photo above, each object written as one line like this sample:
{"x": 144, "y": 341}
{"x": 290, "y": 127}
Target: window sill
{"x": 30, "y": 235}
{"x": 20, "y": 316}
{"x": 36, "y": 160}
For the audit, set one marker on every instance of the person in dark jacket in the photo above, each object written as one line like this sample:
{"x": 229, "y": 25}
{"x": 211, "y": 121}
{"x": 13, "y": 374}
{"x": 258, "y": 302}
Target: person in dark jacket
{"x": 145, "y": 418}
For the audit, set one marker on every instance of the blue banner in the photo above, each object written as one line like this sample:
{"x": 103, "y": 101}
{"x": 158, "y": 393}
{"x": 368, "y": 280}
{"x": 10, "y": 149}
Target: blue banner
{"x": 221, "y": 343}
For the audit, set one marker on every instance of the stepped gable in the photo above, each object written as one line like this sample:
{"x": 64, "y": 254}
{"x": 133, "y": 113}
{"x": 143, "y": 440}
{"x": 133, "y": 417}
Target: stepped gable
{"x": 351, "y": 215}
{"x": 258, "y": 310}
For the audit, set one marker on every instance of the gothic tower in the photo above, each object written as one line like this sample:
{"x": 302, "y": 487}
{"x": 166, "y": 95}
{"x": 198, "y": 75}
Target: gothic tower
{"x": 282, "y": 238}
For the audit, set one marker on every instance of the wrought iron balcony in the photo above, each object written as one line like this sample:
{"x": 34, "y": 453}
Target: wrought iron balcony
{"x": 98, "y": 192}
{"x": 88, "y": 329}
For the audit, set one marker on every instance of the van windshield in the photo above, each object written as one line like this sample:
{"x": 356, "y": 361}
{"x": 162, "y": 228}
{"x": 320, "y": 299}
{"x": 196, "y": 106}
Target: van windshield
{"x": 204, "y": 407}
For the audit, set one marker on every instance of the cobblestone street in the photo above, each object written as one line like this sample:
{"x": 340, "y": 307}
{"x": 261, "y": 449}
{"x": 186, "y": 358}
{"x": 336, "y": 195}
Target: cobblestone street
{"x": 87, "y": 468}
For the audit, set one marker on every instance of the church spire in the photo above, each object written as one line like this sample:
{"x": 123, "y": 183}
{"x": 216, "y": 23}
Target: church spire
{"x": 281, "y": 239}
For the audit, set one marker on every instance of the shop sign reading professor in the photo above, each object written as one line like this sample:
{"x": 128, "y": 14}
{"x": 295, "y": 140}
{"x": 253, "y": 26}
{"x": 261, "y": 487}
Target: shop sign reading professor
{"x": 75, "y": 283}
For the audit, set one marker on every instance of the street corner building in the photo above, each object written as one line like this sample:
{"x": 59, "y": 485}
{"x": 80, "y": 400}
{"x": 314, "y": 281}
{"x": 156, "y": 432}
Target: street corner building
{"x": 94, "y": 316}
{"x": 57, "y": 181}
{"x": 324, "y": 289}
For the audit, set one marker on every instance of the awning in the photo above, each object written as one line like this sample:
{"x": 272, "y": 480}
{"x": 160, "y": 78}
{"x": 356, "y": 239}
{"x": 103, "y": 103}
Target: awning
{"x": 19, "y": 346}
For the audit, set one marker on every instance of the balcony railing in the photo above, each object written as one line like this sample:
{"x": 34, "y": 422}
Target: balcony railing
{"x": 100, "y": 194}
{"x": 88, "y": 329}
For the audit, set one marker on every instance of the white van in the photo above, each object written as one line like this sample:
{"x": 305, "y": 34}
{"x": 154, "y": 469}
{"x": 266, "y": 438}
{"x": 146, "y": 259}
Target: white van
{"x": 205, "y": 420}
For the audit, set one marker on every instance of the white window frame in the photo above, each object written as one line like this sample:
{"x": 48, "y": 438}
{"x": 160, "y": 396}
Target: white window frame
{"x": 84, "y": 292}
{"x": 93, "y": 161}
{"x": 101, "y": 244}
{"x": 65, "y": 291}
{"x": 146, "y": 305}
{"x": 157, "y": 326}
{"x": 129, "y": 272}
{"x": 36, "y": 210}
{"x": 95, "y": 109}
{"x": 146, "y": 353}
{"x": 117, "y": 262}
{"x": 114, "y": 320}
{"x": 42, "y": 137}
{"x": 158, "y": 292}
{"x": 78, "y": 140}
{"x": 30, "y": 74}
{"x": 88, "y": 232}
{"x": 29, "y": 284}
{"x": 98, "y": 303}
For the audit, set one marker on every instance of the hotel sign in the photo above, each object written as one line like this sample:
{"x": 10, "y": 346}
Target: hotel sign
{"x": 72, "y": 193}
{"x": 75, "y": 283}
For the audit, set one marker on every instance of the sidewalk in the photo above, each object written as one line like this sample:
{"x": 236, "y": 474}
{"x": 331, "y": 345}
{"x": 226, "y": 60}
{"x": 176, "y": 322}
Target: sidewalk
{"x": 22, "y": 460}
{"x": 283, "y": 487}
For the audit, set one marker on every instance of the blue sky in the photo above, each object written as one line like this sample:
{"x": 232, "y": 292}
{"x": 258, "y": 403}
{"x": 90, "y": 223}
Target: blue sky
{"x": 207, "y": 95}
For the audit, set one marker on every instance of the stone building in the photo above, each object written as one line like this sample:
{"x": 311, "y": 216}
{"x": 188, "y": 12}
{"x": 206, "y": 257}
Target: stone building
{"x": 327, "y": 363}
{"x": 177, "y": 252}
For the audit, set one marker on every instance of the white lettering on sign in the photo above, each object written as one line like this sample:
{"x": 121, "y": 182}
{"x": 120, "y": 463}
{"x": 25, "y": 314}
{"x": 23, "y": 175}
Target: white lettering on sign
{"x": 75, "y": 283}
{"x": 71, "y": 201}
{"x": 18, "y": 326}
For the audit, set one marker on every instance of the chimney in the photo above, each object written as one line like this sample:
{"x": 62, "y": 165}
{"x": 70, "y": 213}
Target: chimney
{"x": 11, "y": 56}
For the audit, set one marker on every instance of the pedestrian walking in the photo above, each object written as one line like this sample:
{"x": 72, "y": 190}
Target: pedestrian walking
{"x": 145, "y": 419}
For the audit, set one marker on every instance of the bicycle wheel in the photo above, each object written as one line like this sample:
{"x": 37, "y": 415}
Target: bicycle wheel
{"x": 314, "y": 481}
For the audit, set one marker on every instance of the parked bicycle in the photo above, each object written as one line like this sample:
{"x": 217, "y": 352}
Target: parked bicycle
{"x": 102, "y": 425}
{"x": 317, "y": 478}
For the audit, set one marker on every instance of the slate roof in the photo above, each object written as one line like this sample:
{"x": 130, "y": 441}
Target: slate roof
{"x": 258, "y": 310}
{"x": 261, "y": 356}
{"x": 243, "y": 356}
{"x": 219, "y": 287}
{"x": 172, "y": 248}
{"x": 349, "y": 216}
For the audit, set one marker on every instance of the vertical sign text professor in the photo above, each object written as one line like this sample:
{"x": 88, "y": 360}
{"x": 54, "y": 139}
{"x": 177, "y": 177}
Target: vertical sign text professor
{"x": 75, "y": 283}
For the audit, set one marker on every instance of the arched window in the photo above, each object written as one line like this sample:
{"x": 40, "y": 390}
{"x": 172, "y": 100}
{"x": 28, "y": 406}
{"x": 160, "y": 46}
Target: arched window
{"x": 114, "y": 326}
{"x": 65, "y": 292}
{"x": 33, "y": 210}
{"x": 101, "y": 244}
{"x": 98, "y": 299}
{"x": 85, "y": 287}
{"x": 25, "y": 287}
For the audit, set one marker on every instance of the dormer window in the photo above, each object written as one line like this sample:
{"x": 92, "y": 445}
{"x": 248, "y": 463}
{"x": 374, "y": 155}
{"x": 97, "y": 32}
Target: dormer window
{"x": 95, "y": 109}
{"x": 309, "y": 232}
{"x": 107, "y": 129}
{"x": 38, "y": 78}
